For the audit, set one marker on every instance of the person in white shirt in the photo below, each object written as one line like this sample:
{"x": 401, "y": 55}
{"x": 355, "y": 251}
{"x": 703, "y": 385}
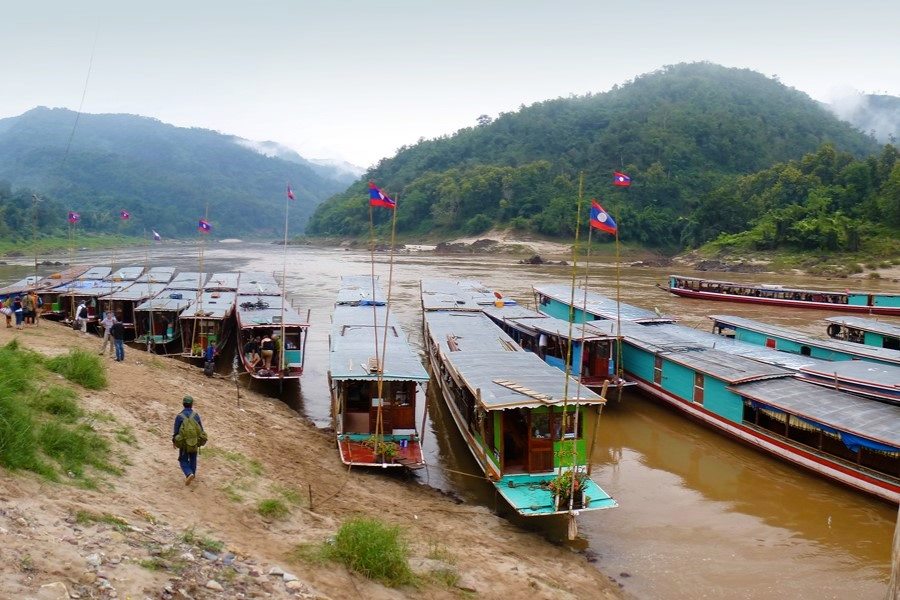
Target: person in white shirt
{"x": 106, "y": 323}
{"x": 81, "y": 317}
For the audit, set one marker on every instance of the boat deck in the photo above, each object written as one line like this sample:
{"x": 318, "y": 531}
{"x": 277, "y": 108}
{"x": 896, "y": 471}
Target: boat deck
{"x": 531, "y": 497}
{"x": 354, "y": 451}
{"x": 888, "y": 329}
{"x": 599, "y": 305}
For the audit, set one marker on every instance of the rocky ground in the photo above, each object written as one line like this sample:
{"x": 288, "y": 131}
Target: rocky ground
{"x": 145, "y": 534}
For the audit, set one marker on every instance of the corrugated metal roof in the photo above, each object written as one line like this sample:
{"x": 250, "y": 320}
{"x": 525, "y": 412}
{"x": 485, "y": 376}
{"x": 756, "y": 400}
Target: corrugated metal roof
{"x": 257, "y": 282}
{"x": 137, "y": 291}
{"x": 65, "y": 276}
{"x": 530, "y": 320}
{"x": 486, "y": 355}
{"x": 353, "y": 339}
{"x": 164, "y": 302}
{"x": 211, "y": 305}
{"x": 600, "y": 305}
{"x": 861, "y": 350}
{"x": 20, "y": 286}
{"x": 357, "y": 289}
{"x": 94, "y": 288}
{"x": 867, "y": 325}
{"x": 126, "y": 273}
{"x": 96, "y": 273}
{"x": 188, "y": 280}
{"x": 157, "y": 275}
{"x": 222, "y": 282}
{"x": 463, "y": 294}
{"x": 266, "y": 316}
{"x": 866, "y": 418}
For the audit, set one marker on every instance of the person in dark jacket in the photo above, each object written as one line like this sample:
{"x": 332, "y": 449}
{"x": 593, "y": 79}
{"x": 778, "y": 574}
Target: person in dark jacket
{"x": 117, "y": 333}
{"x": 187, "y": 460}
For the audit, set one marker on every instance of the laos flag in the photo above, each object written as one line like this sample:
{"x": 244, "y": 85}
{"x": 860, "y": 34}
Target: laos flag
{"x": 621, "y": 179}
{"x": 204, "y": 226}
{"x": 379, "y": 198}
{"x": 602, "y": 220}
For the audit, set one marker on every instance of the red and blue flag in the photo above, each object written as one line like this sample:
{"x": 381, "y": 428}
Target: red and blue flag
{"x": 621, "y": 179}
{"x": 125, "y": 215}
{"x": 379, "y": 198}
{"x": 204, "y": 226}
{"x": 602, "y": 220}
{"x": 290, "y": 192}
{"x": 74, "y": 217}
{"x": 156, "y": 236}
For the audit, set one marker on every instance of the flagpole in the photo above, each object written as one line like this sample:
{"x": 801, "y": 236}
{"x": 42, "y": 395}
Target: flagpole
{"x": 379, "y": 433}
{"x": 287, "y": 200}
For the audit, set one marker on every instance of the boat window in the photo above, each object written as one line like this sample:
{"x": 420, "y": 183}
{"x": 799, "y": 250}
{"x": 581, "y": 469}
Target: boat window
{"x": 540, "y": 425}
{"x": 891, "y": 343}
{"x": 805, "y": 351}
{"x": 572, "y": 429}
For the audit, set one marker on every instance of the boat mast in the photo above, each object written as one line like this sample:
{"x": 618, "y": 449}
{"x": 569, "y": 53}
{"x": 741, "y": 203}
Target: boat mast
{"x": 281, "y": 361}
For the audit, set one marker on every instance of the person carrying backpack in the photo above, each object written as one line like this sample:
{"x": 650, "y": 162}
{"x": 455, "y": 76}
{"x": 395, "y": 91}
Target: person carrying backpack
{"x": 188, "y": 436}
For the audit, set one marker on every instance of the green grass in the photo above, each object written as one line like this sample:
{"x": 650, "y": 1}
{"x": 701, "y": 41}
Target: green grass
{"x": 86, "y": 517}
{"x": 59, "y": 401}
{"x": 273, "y": 508}
{"x": 81, "y": 367}
{"x": 126, "y": 436}
{"x": 374, "y": 550}
{"x": 249, "y": 465}
{"x": 189, "y": 536}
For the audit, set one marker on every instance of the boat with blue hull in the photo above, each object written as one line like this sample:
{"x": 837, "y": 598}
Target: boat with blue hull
{"x": 796, "y": 342}
{"x": 555, "y": 300}
{"x": 374, "y": 375}
{"x": 859, "y": 330}
{"x": 530, "y": 429}
{"x": 729, "y": 291}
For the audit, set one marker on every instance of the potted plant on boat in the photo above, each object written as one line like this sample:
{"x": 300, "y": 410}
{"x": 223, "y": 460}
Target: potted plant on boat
{"x": 384, "y": 451}
{"x": 562, "y": 488}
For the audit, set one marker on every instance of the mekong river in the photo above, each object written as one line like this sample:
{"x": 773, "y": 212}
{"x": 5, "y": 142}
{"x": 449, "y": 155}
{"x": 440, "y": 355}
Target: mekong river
{"x": 700, "y": 516}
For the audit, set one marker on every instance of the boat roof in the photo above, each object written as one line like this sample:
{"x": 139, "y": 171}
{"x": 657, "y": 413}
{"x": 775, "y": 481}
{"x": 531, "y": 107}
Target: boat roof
{"x": 60, "y": 277}
{"x": 163, "y": 301}
{"x": 533, "y": 322}
{"x": 258, "y": 283}
{"x": 93, "y": 287}
{"x": 353, "y": 339}
{"x": 672, "y": 337}
{"x": 600, "y": 305}
{"x": 23, "y": 285}
{"x": 223, "y": 282}
{"x": 157, "y": 275}
{"x": 867, "y": 325}
{"x": 210, "y": 305}
{"x": 860, "y": 416}
{"x": 137, "y": 291}
{"x": 462, "y": 294}
{"x": 270, "y": 316}
{"x": 861, "y": 350}
{"x": 96, "y": 273}
{"x": 356, "y": 290}
{"x": 126, "y": 274}
{"x": 487, "y": 356}
{"x": 187, "y": 280}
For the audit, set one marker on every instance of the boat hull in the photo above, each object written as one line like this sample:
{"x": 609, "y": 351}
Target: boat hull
{"x": 874, "y": 310}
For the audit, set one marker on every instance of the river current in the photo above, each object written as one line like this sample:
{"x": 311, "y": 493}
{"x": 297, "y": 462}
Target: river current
{"x": 699, "y": 516}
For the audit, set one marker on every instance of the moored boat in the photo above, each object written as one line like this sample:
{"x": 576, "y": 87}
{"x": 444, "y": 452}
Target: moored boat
{"x": 69, "y": 295}
{"x": 375, "y": 379}
{"x": 527, "y": 425}
{"x": 846, "y": 300}
{"x": 209, "y": 319}
{"x": 156, "y": 319}
{"x": 49, "y": 289}
{"x": 555, "y": 299}
{"x": 23, "y": 286}
{"x": 864, "y": 331}
{"x": 123, "y": 302}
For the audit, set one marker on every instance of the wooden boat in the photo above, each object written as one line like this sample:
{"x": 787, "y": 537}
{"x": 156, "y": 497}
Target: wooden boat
{"x": 49, "y": 290}
{"x": 209, "y": 319}
{"x": 844, "y": 437}
{"x": 355, "y": 375}
{"x": 156, "y": 319}
{"x": 524, "y": 423}
{"x": 23, "y": 286}
{"x": 262, "y": 311}
{"x": 860, "y": 302}
{"x": 789, "y": 340}
{"x": 864, "y": 331}
{"x": 123, "y": 302}
{"x": 93, "y": 296}
{"x": 553, "y": 299}
{"x": 71, "y": 294}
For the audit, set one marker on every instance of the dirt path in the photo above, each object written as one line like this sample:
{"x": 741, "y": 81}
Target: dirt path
{"x": 260, "y": 450}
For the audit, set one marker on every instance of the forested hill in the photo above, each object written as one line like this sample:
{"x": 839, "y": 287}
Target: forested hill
{"x": 680, "y": 133}
{"x": 164, "y": 175}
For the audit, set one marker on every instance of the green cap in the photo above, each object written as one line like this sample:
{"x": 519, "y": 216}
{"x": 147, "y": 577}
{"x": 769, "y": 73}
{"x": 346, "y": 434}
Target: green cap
{"x": 187, "y": 401}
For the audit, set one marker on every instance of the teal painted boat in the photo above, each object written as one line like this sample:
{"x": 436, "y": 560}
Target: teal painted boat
{"x": 864, "y": 331}
{"x": 529, "y": 427}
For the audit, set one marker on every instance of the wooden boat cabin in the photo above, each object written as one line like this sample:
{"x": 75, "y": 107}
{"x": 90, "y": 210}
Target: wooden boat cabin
{"x": 156, "y": 320}
{"x": 123, "y": 302}
{"x": 789, "y": 340}
{"x": 263, "y": 312}
{"x": 530, "y": 428}
{"x": 851, "y": 440}
{"x": 864, "y": 331}
{"x": 49, "y": 291}
{"x": 373, "y": 409}
{"x": 709, "y": 289}
{"x": 209, "y": 319}
{"x": 19, "y": 288}
{"x": 70, "y": 295}
{"x": 553, "y": 299}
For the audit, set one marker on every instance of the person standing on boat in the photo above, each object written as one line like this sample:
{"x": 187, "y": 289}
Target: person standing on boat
{"x": 117, "y": 333}
{"x": 108, "y": 321}
{"x": 186, "y": 438}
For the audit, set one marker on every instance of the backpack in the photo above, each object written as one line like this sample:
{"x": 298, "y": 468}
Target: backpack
{"x": 83, "y": 313}
{"x": 190, "y": 435}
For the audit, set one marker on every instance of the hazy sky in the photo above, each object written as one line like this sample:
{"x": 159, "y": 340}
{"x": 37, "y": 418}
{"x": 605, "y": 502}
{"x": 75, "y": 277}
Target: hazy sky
{"x": 357, "y": 79}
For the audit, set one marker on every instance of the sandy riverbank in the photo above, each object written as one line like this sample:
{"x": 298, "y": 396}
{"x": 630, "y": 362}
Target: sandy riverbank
{"x": 259, "y": 449}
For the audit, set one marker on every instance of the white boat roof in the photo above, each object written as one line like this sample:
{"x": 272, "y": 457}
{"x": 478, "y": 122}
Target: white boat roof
{"x": 357, "y": 290}
{"x": 23, "y": 285}
{"x": 258, "y": 283}
{"x": 157, "y": 275}
{"x": 126, "y": 274}
{"x": 61, "y": 277}
{"x": 600, "y": 305}
{"x": 210, "y": 305}
{"x": 532, "y": 321}
{"x": 222, "y": 282}
{"x": 188, "y": 280}
{"x": 137, "y": 291}
{"x": 872, "y": 325}
{"x": 267, "y": 317}
{"x": 461, "y": 294}
{"x": 96, "y": 273}
{"x": 94, "y": 288}
{"x": 163, "y": 301}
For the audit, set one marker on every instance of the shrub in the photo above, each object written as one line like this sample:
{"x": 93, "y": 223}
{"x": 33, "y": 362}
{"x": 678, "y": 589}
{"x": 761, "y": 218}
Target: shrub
{"x": 58, "y": 401}
{"x": 374, "y": 550}
{"x": 272, "y": 508}
{"x": 80, "y": 367}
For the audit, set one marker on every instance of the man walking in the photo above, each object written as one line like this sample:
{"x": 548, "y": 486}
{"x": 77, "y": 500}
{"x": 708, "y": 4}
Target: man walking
{"x": 106, "y": 323}
{"x": 117, "y": 332}
{"x": 188, "y": 436}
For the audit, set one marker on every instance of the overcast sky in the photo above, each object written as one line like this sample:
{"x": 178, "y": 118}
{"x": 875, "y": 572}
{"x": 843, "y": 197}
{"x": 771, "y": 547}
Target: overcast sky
{"x": 357, "y": 79}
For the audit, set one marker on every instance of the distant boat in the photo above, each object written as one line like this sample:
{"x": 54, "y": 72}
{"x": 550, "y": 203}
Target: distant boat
{"x": 518, "y": 416}
{"x": 354, "y": 377}
{"x": 709, "y": 289}
{"x": 864, "y": 331}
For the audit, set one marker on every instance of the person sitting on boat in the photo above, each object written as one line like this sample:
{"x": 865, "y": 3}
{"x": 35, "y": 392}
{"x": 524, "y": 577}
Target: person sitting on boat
{"x": 251, "y": 353}
{"x": 268, "y": 351}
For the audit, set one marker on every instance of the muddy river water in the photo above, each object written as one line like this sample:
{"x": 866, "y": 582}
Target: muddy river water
{"x": 699, "y": 516}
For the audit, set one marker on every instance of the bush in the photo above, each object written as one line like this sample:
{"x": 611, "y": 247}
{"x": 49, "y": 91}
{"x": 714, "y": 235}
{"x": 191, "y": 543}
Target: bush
{"x": 58, "y": 401}
{"x": 273, "y": 508}
{"x": 374, "y": 550}
{"x": 477, "y": 224}
{"x": 78, "y": 366}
